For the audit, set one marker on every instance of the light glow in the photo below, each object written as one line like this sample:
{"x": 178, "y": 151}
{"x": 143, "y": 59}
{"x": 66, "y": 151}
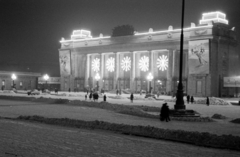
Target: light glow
{"x": 150, "y": 77}
{"x": 96, "y": 64}
{"x": 162, "y": 62}
{"x": 213, "y": 16}
{"x": 97, "y": 76}
{"x": 81, "y": 34}
{"x": 110, "y": 65}
{"x": 14, "y": 77}
{"x": 145, "y": 33}
{"x": 126, "y": 63}
{"x": 144, "y": 63}
{"x": 46, "y": 77}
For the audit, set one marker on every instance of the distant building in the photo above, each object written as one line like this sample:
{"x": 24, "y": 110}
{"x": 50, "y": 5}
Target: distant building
{"x": 51, "y": 84}
{"x": 125, "y": 62}
{"x": 21, "y": 81}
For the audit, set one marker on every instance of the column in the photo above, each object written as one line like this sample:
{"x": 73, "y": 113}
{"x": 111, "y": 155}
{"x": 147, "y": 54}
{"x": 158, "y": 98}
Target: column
{"x": 116, "y": 75}
{"x": 170, "y": 72}
{"x": 151, "y": 68}
{"x": 87, "y": 70}
{"x": 132, "y": 76}
{"x": 101, "y": 71}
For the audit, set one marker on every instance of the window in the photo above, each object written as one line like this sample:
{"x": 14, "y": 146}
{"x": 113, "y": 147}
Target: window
{"x": 3, "y": 83}
{"x": 20, "y": 84}
{"x": 199, "y": 86}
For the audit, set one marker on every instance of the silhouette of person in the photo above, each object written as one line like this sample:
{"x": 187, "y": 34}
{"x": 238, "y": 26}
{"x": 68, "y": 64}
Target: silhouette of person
{"x": 192, "y": 99}
{"x": 104, "y": 97}
{"x": 90, "y": 96}
{"x": 207, "y": 101}
{"x": 164, "y": 113}
{"x": 131, "y": 97}
{"x": 188, "y": 99}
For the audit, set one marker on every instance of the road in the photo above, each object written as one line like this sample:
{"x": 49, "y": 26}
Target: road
{"x": 26, "y": 139}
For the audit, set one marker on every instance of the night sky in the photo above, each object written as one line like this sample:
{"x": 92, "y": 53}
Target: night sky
{"x": 30, "y": 30}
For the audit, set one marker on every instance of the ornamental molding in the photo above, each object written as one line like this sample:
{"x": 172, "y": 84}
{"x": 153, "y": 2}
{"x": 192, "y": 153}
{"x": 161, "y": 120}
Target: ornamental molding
{"x": 200, "y": 32}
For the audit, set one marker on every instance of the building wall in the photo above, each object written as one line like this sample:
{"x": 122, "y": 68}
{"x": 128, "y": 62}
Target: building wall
{"x": 222, "y": 58}
{"x": 23, "y": 82}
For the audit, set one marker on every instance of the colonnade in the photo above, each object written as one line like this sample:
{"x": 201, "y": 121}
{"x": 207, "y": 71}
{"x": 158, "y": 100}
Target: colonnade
{"x": 134, "y": 81}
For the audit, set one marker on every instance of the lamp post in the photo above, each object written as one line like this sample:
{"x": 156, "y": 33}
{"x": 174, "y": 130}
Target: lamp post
{"x": 97, "y": 77}
{"x": 150, "y": 77}
{"x": 14, "y": 77}
{"x": 180, "y": 102}
{"x": 46, "y": 77}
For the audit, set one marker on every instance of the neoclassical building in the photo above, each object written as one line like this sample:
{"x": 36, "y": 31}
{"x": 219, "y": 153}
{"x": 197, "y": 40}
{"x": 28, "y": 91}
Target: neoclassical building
{"x": 125, "y": 62}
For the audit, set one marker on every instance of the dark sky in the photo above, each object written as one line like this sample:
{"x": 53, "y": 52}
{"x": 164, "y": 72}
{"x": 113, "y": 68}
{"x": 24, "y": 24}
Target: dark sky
{"x": 30, "y": 30}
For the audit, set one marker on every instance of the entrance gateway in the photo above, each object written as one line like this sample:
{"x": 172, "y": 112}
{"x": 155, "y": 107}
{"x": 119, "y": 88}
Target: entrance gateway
{"x": 125, "y": 62}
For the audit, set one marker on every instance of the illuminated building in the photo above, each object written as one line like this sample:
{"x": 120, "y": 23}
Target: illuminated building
{"x": 124, "y": 62}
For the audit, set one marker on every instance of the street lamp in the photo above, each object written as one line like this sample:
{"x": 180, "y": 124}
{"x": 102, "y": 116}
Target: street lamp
{"x": 97, "y": 77}
{"x": 160, "y": 83}
{"x": 150, "y": 77}
{"x": 180, "y": 102}
{"x": 46, "y": 77}
{"x": 14, "y": 77}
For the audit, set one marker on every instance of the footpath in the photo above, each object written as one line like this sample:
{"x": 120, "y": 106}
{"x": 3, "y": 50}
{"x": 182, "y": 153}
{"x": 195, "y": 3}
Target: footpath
{"x": 14, "y": 109}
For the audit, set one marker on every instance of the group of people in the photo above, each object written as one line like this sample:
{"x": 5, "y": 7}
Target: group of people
{"x": 95, "y": 96}
{"x": 190, "y": 99}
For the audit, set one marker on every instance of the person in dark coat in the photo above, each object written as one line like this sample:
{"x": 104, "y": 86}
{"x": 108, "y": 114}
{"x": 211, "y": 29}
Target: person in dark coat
{"x": 207, "y": 101}
{"x": 131, "y": 97}
{"x": 96, "y": 96}
{"x": 192, "y": 99}
{"x": 164, "y": 113}
{"x": 86, "y": 97}
{"x": 188, "y": 99}
{"x": 90, "y": 96}
{"x": 104, "y": 97}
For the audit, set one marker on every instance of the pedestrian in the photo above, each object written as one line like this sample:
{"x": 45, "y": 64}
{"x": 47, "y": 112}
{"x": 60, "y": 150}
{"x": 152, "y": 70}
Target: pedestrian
{"x": 86, "y": 97}
{"x": 188, "y": 99}
{"x": 167, "y": 113}
{"x": 96, "y": 96}
{"x": 90, "y": 96}
{"x": 69, "y": 90}
{"x": 192, "y": 99}
{"x": 131, "y": 97}
{"x": 117, "y": 92}
{"x": 207, "y": 101}
{"x": 162, "y": 115}
{"x": 104, "y": 97}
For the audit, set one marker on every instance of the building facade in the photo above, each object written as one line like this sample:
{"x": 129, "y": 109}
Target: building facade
{"x": 125, "y": 62}
{"x": 51, "y": 84}
{"x": 19, "y": 80}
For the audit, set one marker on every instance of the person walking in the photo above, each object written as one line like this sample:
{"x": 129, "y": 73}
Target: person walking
{"x": 167, "y": 113}
{"x": 96, "y": 96}
{"x": 188, "y": 99}
{"x": 90, "y": 96}
{"x": 164, "y": 113}
{"x": 207, "y": 101}
{"x": 86, "y": 97}
{"x": 104, "y": 97}
{"x": 131, "y": 97}
{"x": 192, "y": 99}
